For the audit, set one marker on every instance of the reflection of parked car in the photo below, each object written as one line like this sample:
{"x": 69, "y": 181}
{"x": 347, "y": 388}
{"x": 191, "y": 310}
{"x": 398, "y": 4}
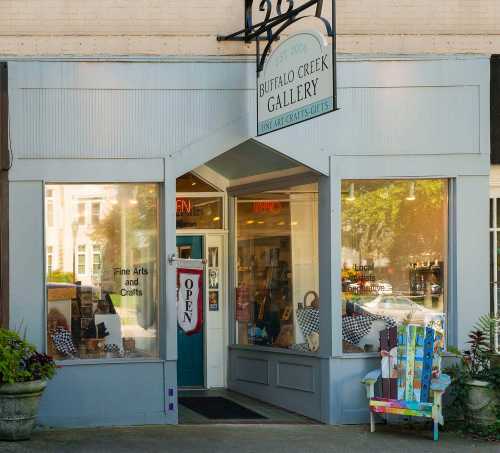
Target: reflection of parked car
{"x": 398, "y": 307}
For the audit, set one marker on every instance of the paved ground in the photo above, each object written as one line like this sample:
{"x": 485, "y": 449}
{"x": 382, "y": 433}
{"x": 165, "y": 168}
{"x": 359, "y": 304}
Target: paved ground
{"x": 245, "y": 439}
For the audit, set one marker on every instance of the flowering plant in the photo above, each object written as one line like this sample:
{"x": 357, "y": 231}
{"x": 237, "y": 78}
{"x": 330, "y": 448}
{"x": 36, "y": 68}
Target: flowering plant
{"x": 20, "y": 362}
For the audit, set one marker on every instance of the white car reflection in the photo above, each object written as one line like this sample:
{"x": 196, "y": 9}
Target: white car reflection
{"x": 400, "y": 308}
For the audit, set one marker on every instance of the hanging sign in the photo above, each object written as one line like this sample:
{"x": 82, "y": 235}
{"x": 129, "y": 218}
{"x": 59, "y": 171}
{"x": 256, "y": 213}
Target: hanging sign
{"x": 189, "y": 297}
{"x": 296, "y": 83}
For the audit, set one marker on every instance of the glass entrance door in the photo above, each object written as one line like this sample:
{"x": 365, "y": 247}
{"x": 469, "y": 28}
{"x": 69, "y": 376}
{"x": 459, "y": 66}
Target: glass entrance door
{"x": 190, "y": 363}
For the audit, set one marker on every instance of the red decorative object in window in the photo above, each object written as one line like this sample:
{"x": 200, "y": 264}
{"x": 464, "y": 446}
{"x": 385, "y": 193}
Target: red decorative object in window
{"x": 266, "y": 206}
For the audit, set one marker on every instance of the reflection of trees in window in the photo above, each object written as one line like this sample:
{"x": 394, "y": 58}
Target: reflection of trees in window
{"x": 127, "y": 233}
{"x": 395, "y": 220}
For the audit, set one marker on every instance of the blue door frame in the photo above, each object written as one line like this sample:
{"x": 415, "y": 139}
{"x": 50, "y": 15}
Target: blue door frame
{"x": 190, "y": 351}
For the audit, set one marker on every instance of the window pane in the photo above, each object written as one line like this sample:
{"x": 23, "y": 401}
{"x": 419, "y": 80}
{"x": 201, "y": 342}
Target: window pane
{"x": 96, "y": 212}
{"x": 191, "y": 183}
{"x": 394, "y": 255}
{"x": 81, "y": 213}
{"x": 277, "y": 301}
{"x": 50, "y": 213}
{"x": 81, "y": 262}
{"x": 199, "y": 212}
{"x": 103, "y": 297}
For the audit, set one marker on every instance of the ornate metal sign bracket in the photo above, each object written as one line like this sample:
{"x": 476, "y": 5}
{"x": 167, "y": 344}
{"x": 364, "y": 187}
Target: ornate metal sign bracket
{"x": 272, "y": 26}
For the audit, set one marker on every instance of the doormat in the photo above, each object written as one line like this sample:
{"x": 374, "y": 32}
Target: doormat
{"x": 218, "y": 408}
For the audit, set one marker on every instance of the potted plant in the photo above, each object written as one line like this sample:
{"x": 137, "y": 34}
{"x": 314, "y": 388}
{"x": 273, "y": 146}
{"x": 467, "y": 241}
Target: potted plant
{"x": 23, "y": 377}
{"x": 477, "y": 377}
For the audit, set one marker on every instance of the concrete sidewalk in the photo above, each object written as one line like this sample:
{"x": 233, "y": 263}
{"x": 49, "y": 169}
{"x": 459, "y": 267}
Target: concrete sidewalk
{"x": 246, "y": 439}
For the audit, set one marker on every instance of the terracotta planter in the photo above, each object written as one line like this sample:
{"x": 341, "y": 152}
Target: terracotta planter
{"x": 481, "y": 403}
{"x": 19, "y": 408}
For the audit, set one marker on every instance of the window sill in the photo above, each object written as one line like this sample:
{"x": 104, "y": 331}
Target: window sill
{"x": 255, "y": 348}
{"x": 357, "y": 355}
{"x": 117, "y": 361}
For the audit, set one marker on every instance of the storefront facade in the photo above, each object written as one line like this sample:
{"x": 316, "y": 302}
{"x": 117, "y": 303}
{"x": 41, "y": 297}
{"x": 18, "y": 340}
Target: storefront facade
{"x": 379, "y": 210}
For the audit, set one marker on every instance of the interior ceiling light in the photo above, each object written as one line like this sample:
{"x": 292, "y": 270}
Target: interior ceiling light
{"x": 261, "y": 222}
{"x": 133, "y": 201}
{"x": 411, "y": 193}
{"x": 249, "y": 222}
{"x": 351, "y": 196}
{"x": 294, "y": 223}
{"x": 215, "y": 219}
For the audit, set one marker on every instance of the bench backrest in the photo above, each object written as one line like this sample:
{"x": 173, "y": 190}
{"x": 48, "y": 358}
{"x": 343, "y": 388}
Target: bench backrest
{"x": 411, "y": 357}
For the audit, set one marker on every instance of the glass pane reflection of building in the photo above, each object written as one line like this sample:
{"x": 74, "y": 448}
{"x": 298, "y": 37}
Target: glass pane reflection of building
{"x": 394, "y": 255}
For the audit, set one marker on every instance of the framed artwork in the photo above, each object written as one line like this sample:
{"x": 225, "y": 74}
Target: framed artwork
{"x": 213, "y": 301}
{"x": 213, "y": 278}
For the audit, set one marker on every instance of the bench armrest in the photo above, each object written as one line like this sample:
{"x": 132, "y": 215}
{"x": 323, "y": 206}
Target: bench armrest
{"x": 441, "y": 383}
{"x": 372, "y": 377}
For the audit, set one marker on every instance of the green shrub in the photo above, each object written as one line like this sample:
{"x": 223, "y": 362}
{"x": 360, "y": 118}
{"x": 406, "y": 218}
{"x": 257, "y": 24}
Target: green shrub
{"x": 20, "y": 362}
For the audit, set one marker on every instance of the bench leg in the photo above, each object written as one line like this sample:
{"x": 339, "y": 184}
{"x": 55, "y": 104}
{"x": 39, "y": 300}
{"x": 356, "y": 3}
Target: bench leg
{"x": 436, "y": 430}
{"x": 372, "y": 422}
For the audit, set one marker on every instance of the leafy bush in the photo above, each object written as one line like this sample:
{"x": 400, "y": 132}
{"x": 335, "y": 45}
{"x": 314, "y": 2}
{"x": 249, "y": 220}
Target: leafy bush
{"x": 20, "y": 362}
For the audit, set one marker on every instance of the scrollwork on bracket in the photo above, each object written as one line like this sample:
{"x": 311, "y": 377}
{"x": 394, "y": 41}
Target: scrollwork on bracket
{"x": 270, "y": 28}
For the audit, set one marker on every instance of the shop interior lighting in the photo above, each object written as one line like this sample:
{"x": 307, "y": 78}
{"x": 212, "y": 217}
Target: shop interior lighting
{"x": 250, "y": 222}
{"x": 133, "y": 201}
{"x": 411, "y": 193}
{"x": 351, "y": 196}
{"x": 216, "y": 219}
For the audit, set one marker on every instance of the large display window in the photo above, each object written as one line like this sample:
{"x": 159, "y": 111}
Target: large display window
{"x": 277, "y": 297}
{"x": 102, "y": 270}
{"x": 394, "y": 257}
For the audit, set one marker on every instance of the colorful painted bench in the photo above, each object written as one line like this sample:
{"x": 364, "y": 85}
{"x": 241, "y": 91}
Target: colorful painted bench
{"x": 412, "y": 383}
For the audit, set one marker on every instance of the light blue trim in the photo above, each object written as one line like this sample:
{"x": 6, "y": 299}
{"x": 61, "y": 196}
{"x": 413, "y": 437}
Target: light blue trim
{"x": 296, "y": 116}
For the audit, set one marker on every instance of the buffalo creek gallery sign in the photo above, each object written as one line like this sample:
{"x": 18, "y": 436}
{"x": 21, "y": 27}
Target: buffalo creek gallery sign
{"x": 190, "y": 295}
{"x": 296, "y": 83}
